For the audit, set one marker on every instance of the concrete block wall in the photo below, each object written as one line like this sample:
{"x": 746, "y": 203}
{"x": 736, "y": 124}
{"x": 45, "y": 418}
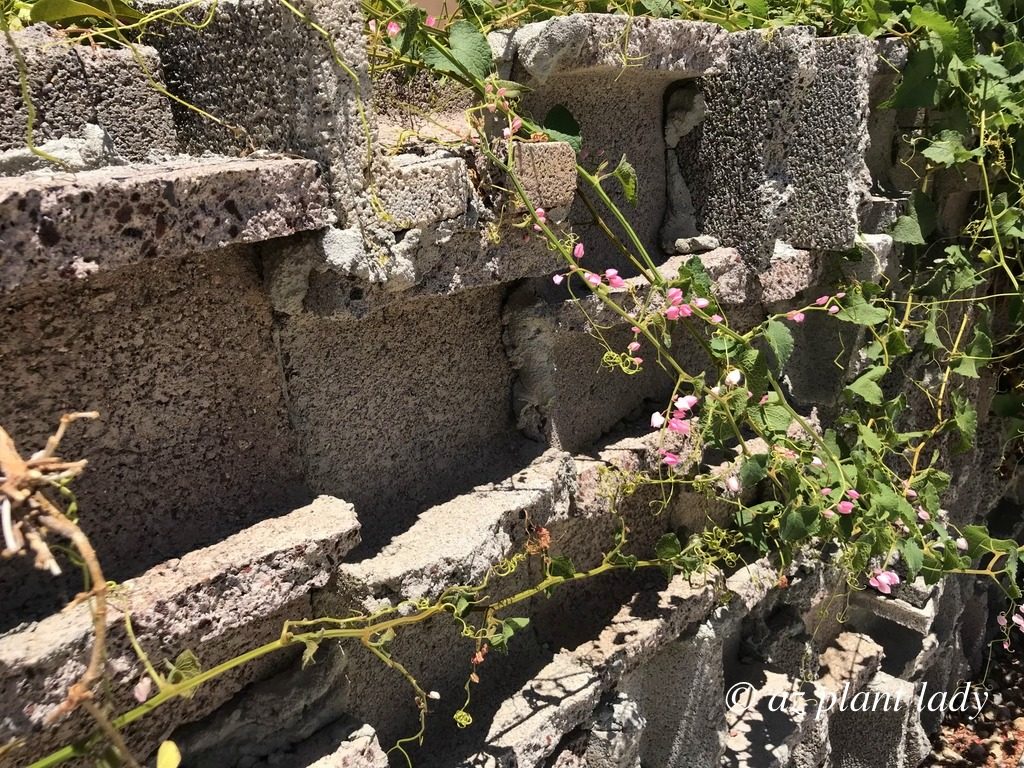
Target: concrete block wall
{"x": 330, "y": 375}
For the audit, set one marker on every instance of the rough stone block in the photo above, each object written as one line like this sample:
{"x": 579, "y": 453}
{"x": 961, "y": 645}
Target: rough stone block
{"x": 54, "y": 226}
{"x": 424, "y": 190}
{"x": 547, "y": 172}
{"x": 73, "y": 86}
{"x": 218, "y": 601}
{"x": 261, "y": 68}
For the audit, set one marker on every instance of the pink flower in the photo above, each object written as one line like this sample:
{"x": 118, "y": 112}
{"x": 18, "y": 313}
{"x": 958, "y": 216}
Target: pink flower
{"x": 826, "y": 491}
{"x": 541, "y": 215}
{"x": 841, "y": 295}
{"x": 962, "y": 545}
{"x": 1001, "y": 620}
{"x": 827, "y": 513}
{"x": 734, "y": 377}
{"x": 674, "y": 296}
{"x": 577, "y": 253}
{"x": 852, "y": 495}
{"x": 686, "y": 402}
{"x": 816, "y": 462}
{"x": 833, "y": 310}
{"x": 716, "y": 319}
{"x": 685, "y": 310}
{"x": 372, "y": 24}
{"x": 431, "y": 21}
{"x": 763, "y": 400}
{"x": 636, "y": 329}
{"x": 1018, "y": 620}
{"x": 142, "y": 689}
{"x": 657, "y": 420}
{"x": 633, "y": 346}
{"x": 884, "y": 581}
{"x": 638, "y": 360}
{"x": 700, "y": 303}
{"x": 393, "y": 29}
{"x": 821, "y": 301}
{"x": 668, "y": 458}
{"x": 557, "y": 279}
{"x": 590, "y": 277}
{"x": 911, "y": 493}
{"x": 845, "y": 507}
{"x": 516, "y": 124}
{"x": 501, "y": 93}
{"x": 679, "y": 425}
{"x": 733, "y": 484}
{"x": 922, "y": 515}
{"x": 672, "y": 313}
{"x": 796, "y": 317}
{"x": 612, "y": 275}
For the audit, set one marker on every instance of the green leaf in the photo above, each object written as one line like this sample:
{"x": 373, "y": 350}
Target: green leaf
{"x": 185, "y": 667}
{"x": 869, "y": 438}
{"x": 919, "y": 85}
{"x": 56, "y": 11}
{"x": 668, "y": 547}
{"x": 754, "y": 470}
{"x": 797, "y": 524}
{"x": 966, "y": 418}
{"x": 625, "y": 174}
{"x": 856, "y": 309}
{"x": 866, "y": 386}
{"x": 982, "y": 14}
{"x": 780, "y": 340}
{"x": 917, "y": 223}
{"x": 560, "y": 125}
{"x": 948, "y": 149}
{"x": 561, "y": 566}
{"x": 660, "y": 9}
{"x": 777, "y": 418}
{"x": 517, "y": 623}
{"x": 978, "y": 353}
{"x": 468, "y": 46}
{"x": 913, "y": 557}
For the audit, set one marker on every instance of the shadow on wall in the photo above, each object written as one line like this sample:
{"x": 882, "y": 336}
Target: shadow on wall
{"x": 193, "y": 443}
{"x": 406, "y": 407}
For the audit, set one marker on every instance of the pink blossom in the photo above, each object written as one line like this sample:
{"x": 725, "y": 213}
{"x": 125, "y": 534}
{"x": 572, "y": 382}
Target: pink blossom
{"x": 685, "y": 310}
{"x": 431, "y": 21}
{"x": 612, "y": 275}
{"x": 501, "y": 93}
{"x": 1001, "y": 620}
{"x": 841, "y": 295}
{"x": 668, "y": 457}
{"x": 796, "y": 317}
{"x": 636, "y": 329}
{"x": 633, "y": 346}
{"x": 821, "y": 301}
{"x": 372, "y": 24}
{"x": 557, "y": 279}
{"x": 672, "y": 313}
{"x": 638, "y": 360}
{"x": 577, "y": 253}
{"x": 911, "y": 493}
{"x": 922, "y": 515}
{"x": 827, "y": 513}
{"x": 674, "y": 296}
{"x": 833, "y": 310}
{"x": 763, "y": 400}
{"x": 962, "y": 545}
{"x": 142, "y": 689}
{"x": 590, "y": 277}
{"x": 716, "y": 319}
{"x": 1018, "y": 620}
{"x": 826, "y": 491}
{"x": 679, "y": 425}
{"x": 700, "y": 303}
{"x": 845, "y": 507}
{"x": 734, "y": 377}
{"x": 852, "y": 495}
{"x": 884, "y": 581}
{"x": 733, "y": 484}
{"x": 816, "y": 462}
{"x": 686, "y": 402}
{"x": 541, "y": 215}
{"x": 393, "y": 29}
{"x": 657, "y": 420}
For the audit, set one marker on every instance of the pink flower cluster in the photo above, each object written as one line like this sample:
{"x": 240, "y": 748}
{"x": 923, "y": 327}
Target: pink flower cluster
{"x": 679, "y": 422}
{"x": 677, "y": 308}
{"x": 884, "y": 581}
{"x": 798, "y": 316}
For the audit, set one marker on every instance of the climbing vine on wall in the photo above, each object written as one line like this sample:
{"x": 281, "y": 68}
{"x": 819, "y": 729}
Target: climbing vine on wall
{"x": 867, "y": 491}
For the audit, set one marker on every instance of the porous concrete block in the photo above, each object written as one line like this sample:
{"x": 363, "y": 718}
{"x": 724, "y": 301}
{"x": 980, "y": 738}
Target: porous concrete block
{"x": 73, "y": 86}
{"x": 779, "y": 154}
{"x": 404, "y": 407}
{"x": 275, "y": 82}
{"x": 92, "y": 150}
{"x": 56, "y": 226}
{"x": 547, "y": 172}
{"x": 177, "y": 355}
{"x": 457, "y": 541}
{"x": 611, "y": 738}
{"x": 415, "y": 191}
{"x": 360, "y": 750}
{"x": 593, "y": 41}
{"x": 881, "y": 735}
{"x": 219, "y": 601}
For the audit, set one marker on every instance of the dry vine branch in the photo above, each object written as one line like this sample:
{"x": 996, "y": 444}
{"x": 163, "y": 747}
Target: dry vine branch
{"x": 29, "y": 516}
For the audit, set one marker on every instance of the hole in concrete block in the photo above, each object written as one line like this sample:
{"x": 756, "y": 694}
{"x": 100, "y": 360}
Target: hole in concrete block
{"x": 683, "y": 113}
